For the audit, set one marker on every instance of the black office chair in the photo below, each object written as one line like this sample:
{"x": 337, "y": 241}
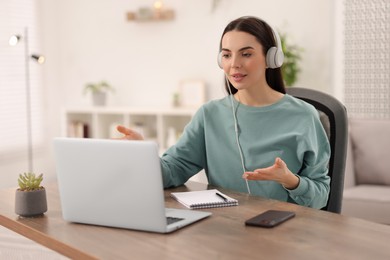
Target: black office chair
{"x": 333, "y": 116}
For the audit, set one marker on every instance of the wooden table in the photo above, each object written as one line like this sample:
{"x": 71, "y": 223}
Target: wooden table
{"x": 312, "y": 234}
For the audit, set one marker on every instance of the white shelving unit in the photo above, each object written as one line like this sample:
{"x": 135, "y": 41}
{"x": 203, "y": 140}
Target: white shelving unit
{"x": 155, "y": 123}
{"x": 100, "y": 122}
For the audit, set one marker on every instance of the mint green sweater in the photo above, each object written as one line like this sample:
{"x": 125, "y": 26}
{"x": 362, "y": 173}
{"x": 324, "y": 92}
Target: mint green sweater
{"x": 289, "y": 129}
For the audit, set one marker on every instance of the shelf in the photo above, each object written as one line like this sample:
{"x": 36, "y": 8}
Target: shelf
{"x": 133, "y": 110}
{"x": 147, "y": 15}
{"x": 100, "y": 122}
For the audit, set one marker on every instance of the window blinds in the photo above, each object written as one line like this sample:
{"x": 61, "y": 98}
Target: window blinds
{"x": 15, "y": 16}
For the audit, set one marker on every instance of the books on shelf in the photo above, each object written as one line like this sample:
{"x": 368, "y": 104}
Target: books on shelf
{"x": 78, "y": 129}
{"x": 204, "y": 199}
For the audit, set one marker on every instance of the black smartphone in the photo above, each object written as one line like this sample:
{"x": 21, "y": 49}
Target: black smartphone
{"x": 270, "y": 218}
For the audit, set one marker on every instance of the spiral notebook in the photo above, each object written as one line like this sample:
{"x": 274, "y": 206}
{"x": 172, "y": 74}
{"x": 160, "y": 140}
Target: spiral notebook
{"x": 204, "y": 199}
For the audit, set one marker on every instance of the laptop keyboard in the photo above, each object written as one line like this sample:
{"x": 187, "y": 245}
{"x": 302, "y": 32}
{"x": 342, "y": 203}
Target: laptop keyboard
{"x": 171, "y": 220}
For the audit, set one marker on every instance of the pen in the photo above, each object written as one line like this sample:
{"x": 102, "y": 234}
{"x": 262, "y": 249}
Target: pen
{"x": 221, "y": 196}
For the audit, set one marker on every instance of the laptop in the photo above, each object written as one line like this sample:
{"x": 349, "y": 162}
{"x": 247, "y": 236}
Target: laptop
{"x": 115, "y": 183}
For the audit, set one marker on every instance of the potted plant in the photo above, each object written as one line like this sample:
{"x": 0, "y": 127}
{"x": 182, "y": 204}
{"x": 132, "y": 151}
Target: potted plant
{"x": 292, "y": 56}
{"x": 30, "y": 197}
{"x": 176, "y": 99}
{"x": 99, "y": 92}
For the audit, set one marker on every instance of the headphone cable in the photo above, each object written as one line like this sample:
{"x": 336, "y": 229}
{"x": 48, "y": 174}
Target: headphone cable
{"x": 236, "y": 133}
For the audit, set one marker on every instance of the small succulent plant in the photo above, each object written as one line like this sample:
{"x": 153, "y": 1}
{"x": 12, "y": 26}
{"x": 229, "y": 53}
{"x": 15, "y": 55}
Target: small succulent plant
{"x": 30, "y": 182}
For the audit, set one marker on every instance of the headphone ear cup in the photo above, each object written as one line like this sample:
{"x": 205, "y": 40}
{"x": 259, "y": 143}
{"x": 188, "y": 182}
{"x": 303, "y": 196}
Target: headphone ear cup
{"x": 279, "y": 58}
{"x": 275, "y": 55}
{"x": 219, "y": 60}
{"x": 270, "y": 58}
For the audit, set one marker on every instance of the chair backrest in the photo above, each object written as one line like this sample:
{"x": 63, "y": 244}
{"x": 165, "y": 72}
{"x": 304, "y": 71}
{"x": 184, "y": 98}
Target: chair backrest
{"x": 333, "y": 116}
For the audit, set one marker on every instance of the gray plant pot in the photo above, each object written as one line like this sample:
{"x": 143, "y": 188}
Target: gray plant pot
{"x": 99, "y": 98}
{"x": 30, "y": 203}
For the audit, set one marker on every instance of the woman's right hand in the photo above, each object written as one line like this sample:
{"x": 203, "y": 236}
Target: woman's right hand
{"x": 128, "y": 134}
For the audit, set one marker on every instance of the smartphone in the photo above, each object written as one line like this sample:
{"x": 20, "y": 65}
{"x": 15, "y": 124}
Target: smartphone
{"x": 270, "y": 218}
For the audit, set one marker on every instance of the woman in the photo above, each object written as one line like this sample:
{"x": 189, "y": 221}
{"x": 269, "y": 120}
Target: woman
{"x": 258, "y": 139}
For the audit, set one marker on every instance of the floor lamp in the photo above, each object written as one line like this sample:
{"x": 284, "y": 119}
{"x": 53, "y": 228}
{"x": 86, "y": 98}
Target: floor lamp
{"x": 14, "y": 40}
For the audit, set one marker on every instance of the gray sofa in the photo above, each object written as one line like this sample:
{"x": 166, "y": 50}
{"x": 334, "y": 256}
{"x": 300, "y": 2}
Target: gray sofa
{"x": 367, "y": 173}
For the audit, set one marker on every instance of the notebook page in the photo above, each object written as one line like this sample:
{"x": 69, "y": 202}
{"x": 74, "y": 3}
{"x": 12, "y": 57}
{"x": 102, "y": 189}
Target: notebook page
{"x": 204, "y": 199}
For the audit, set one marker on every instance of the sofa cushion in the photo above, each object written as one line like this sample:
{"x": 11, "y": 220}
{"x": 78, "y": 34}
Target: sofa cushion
{"x": 371, "y": 147}
{"x": 370, "y": 202}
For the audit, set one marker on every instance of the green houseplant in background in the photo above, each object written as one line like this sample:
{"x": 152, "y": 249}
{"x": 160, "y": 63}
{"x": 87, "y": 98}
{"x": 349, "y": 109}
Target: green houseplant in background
{"x": 99, "y": 92}
{"x": 30, "y": 197}
{"x": 292, "y": 57}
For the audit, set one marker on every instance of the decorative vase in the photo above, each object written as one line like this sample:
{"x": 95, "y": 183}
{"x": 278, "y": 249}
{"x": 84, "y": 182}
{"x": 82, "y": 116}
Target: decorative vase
{"x": 30, "y": 203}
{"x": 99, "y": 98}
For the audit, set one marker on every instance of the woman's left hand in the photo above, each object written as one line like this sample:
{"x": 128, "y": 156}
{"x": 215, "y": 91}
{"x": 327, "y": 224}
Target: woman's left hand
{"x": 278, "y": 172}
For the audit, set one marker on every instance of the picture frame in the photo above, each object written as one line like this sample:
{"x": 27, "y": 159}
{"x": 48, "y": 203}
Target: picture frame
{"x": 192, "y": 93}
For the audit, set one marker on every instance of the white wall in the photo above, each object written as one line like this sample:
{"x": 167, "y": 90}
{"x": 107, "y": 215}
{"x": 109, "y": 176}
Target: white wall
{"x": 87, "y": 41}
{"x": 146, "y": 61}
{"x": 338, "y": 50}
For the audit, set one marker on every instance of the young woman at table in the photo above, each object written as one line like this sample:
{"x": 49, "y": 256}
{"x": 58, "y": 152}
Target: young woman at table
{"x": 258, "y": 139}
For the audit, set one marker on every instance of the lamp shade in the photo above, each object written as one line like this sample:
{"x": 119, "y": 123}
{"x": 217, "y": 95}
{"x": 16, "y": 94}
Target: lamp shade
{"x": 14, "y": 39}
{"x": 38, "y": 58}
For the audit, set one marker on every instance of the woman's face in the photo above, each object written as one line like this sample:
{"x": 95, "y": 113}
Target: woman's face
{"x": 243, "y": 60}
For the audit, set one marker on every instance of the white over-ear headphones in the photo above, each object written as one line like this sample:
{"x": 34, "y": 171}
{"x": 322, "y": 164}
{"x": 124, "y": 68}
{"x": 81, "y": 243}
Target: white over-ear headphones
{"x": 274, "y": 57}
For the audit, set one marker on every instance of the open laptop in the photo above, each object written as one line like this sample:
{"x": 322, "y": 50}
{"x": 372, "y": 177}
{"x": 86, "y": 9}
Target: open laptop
{"x": 116, "y": 183}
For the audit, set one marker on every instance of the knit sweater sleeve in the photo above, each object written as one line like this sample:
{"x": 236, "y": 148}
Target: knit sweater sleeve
{"x": 314, "y": 183}
{"x": 187, "y": 157}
